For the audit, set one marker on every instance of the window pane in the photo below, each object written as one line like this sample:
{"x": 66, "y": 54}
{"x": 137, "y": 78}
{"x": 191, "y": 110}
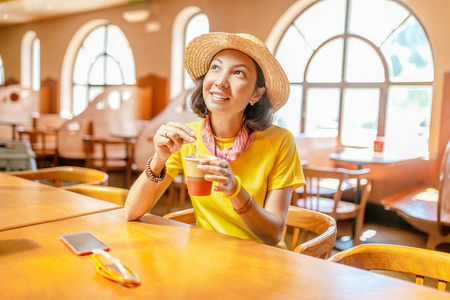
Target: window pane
{"x": 81, "y": 68}
{"x": 289, "y": 115}
{"x": 36, "y": 65}
{"x": 408, "y": 119}
{"x": 360, "y": 117}
{"x": 97, "y": 71}
{"x": 80, "y": 100}
{"x": 375, "y": 19}
{"x": 409, "y": 54}
{"x": 95, "y": 41}
{"x": 312, "y": 22}
{"x": 2, "y": 72}
{"x": 293, "y": 54}
{"x": 128, "y": 69}
{"x": 326, "y": 65}
{"x": 363, "y": 63}
{"x": 322, "y": 112}
{"x": 117, "y": 44}
{"x": 113, "y": 72}
{"x": 199, "y": 24}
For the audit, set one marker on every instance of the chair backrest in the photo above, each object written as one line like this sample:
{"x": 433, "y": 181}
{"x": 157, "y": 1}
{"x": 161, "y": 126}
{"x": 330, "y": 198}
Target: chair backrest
{"x": 297, "y": 218}
{"x": 49, "y": 124}
{"x": 18, "y": 103}
{"x": 443, "y": 214}
{"x": 116, "y": 107}
{"x": 316, "y": 180}
{"x": 110, "y": 194}
{"x": 65, "y": 175}
{"x": 303, "y": 221}
{"x": 422, "y": 263}
{"x": 186, "y": 216}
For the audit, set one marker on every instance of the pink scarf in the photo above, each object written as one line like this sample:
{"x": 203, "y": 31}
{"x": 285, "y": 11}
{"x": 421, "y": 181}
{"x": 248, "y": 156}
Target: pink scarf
{"x": 242, "y": 142}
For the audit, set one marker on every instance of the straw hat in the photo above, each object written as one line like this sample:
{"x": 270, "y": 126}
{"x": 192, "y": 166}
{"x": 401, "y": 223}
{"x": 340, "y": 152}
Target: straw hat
{"x": 201, "y": 50}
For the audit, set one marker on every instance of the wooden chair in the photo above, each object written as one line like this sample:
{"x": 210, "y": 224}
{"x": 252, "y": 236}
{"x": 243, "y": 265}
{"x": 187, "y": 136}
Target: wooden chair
{"x": 301, "y": 221}
{"x": 106, "y": 193}
{"x": 17, "y": 104}
{"x": 102, "y": 135}
{"x": 107, "y": 158}
{"x": 43, "y": 137}
{"x": 63, "y": 176}
{"x": 422, "y": 263}
{"x": 186, "y": 216}
{"x": 313, "y": 199}
{"x": 427, "y": 208}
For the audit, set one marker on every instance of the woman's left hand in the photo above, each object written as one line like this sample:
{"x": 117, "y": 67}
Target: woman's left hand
{"x": 220, "y": 172}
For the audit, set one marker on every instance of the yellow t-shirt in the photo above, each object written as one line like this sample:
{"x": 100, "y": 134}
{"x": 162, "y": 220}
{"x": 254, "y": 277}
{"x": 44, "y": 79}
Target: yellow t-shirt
{"x": 271, "y": 162}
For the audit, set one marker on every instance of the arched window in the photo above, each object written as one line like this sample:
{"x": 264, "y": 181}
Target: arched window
{"x": 2, "y": 72}
{"x": 104, "y": 59}
{"x": 196, "y": 26}
{"x": 189, "y": 23}
{"x": 358, "y": 69}
{"x": 30, "y": 61}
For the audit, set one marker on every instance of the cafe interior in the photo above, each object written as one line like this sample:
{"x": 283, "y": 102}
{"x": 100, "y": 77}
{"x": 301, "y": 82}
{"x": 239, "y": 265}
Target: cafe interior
{"x": 85, "y": 85}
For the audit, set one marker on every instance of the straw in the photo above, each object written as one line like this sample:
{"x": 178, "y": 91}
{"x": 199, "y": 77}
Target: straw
{"x": 195, "y": 150}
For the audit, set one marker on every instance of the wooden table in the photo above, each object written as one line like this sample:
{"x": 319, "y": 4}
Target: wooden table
{"x": 362, "y": 157}
{"x": 24, "y": 202}
{"x": 14, "y": 123}
{"x": 177, "y": 261}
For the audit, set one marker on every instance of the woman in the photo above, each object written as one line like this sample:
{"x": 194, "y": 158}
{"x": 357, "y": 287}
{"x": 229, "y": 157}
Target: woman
{"x": 239, "y": 85}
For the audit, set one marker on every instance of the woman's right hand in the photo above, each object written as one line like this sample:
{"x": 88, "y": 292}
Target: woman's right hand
{"x": 171, "y": 137}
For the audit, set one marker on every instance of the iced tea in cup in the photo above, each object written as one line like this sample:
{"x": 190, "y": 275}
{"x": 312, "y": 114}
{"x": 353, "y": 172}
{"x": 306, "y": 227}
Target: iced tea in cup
{"x": 197, "y": 185}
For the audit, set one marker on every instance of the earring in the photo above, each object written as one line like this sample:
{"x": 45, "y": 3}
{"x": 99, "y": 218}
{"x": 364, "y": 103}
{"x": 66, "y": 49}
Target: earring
{"x": 251, "y": 103}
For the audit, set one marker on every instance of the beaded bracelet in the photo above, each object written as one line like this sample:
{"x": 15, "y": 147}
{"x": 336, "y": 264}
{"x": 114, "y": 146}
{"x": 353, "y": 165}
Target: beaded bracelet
{"x": 238, "y": 189}
{"x": 246, "y": 207}
{"x": 151, "y": 176}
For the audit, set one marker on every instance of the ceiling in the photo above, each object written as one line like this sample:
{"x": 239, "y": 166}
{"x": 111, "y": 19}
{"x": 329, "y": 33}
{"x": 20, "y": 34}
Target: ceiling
{"x": 23, "y": 11}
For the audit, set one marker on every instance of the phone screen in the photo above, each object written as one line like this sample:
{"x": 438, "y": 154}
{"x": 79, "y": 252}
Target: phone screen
{"x": 83, "y": 243}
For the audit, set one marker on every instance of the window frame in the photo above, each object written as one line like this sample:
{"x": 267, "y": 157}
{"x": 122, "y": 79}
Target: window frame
{"x": 105, "y": 54}
{"x": 289, "y": 19}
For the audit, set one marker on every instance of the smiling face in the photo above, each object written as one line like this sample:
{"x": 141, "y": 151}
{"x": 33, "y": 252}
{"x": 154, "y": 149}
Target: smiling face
{"x": 230, "y": 83}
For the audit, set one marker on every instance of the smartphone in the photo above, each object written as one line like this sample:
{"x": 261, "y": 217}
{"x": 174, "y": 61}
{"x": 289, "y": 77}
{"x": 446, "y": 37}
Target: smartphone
{"x": 83, "y": 243}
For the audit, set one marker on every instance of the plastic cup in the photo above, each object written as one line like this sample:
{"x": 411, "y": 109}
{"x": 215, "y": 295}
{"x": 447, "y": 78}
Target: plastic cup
{"x": 197, "y": 185}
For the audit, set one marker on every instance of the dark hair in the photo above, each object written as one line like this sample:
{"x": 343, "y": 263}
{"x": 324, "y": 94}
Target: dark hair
{"x": 257, "y": 117}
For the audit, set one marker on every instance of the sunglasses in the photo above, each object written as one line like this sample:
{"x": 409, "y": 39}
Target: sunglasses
{"x": 111, "y": 268}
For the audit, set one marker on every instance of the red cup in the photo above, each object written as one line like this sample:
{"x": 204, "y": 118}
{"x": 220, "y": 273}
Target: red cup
{"x": 197, "y": 185}
{"x": 378, "y": 144}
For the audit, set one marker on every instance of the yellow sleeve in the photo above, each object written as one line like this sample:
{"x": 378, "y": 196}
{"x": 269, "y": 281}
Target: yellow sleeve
{"x": 287, "y": 170}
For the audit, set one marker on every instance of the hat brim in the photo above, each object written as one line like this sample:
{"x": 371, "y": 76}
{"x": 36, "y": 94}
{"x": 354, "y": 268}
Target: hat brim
{"x": 201, "y": 50}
